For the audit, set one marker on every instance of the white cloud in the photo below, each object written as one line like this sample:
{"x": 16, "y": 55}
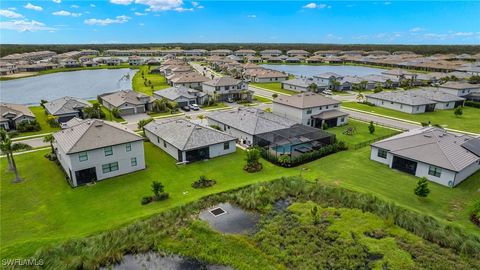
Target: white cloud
{"x": 463, "y": 34}
{"x": 140, "y": 14}
{"x": 10, "y": 14}
{"x": 25, "y": 25}
{"x": 30, "y": 6}
{"x": 162, "y": 5}
{"x": 66, "y": 13}
{"x": 387, "y": 3}
{"x": 252, "y": 16}
{"x": 417, "y": 29}
{"x": 195, "y": 4}
{"x": 104, "y": 22}
{"x": 182, "y": 9}
{"x": 57, "y": 1}
{"x": 75, "y": 6}
{"x": 12, "y": 8}
{"x": 314, "y": 5}
{"x": 121, "y": 2}
{"x": 92, "y": 5}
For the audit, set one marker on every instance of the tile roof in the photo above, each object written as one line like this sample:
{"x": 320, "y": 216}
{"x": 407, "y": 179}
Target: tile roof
{"x": 404, "y": 97}
{"x": 185, "y": 135}
{"x": 433, "y": 146}
{"x": 252, "y": 121}
{"x": 17, "y": 110}
{"x": 223, "y": 81}
{"x": 174, "y": 93}
{"x": 91, "y": 134}
{"x": 125, "y": 96}
{"x": 66, "y": 105}
{"x": 305, "y": 100}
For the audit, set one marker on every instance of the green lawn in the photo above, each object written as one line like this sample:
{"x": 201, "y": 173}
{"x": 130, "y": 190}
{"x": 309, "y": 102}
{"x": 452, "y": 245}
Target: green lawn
{"x": 45, "y": 209}
{"x": 157, "y": 81}
{"x": 469, "y": 121}
{"x": 275, "y": 86}
{"x": 262, "y": 99}
{"x": 362, "y": 133}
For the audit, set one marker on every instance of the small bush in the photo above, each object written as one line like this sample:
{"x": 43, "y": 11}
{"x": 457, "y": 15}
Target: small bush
{"x": 26, "y": 126}
{"x": 474, "y": 104}
{"x": 146, "y": 200}
{"x": 203, "y": 182}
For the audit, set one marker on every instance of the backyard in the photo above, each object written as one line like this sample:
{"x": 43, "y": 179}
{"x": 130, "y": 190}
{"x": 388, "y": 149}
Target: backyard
{"x": 360, "y": 132}
{"x": 44, "y": 209}
{"x": 273, "y": 87}
{"x": 150, "y": 83}
{"x": 41, "y": 118}
{"x": 469, "y": 121}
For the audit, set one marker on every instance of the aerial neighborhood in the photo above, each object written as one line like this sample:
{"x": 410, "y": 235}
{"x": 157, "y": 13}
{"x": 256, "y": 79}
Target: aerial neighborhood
{"x": 394, "y": 123}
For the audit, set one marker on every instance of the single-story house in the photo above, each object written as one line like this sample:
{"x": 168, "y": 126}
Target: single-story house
{"x": 13, "y": 114}
{"x": 296, "y": 53}
{"x": 182, "y": 95}
{"x": 245, "y": 52}
{"x": 69, "y": 63}
{"x": 66, "y": 108}
{"x": 227, "y": 87}
{"x": 246, "y": 123}
{"x": 297, "y": 84}
{"x": 270, "y": 53}
{"x": 459, "y": 88}
{"x": 127, "y": 102}
{"x": 430, "y": 152}
{"x": 135, "y": 60}
{"x": 404, "y": 101}
{"x": 188, "y": 142}
{"x": 444, "y": 100}
{"x": 310, "y": 109}
{"x": 93, "y": 150}
{"x": 327, "y": 78}
{"x": 262, "y": 75}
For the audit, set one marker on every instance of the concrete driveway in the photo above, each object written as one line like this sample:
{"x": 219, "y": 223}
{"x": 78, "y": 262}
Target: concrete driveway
{"x": 134, "y": 118}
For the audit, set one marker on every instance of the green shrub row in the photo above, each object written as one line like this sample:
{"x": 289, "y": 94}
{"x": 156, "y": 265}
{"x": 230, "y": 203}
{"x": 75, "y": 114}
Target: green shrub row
{"x": 289, "y": 161}
{"x": 474, "y": 104}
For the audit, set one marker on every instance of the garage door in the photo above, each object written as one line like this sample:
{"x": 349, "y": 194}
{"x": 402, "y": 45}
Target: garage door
{"x": 127, "y": 111}
{"x": 140, "y": 109}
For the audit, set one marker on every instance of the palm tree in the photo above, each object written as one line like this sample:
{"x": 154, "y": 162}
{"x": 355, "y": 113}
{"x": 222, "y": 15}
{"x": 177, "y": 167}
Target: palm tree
{"x": 313, "y": 87}
{"x": 49, "y": 139}
{"x": 389, "y": 83}
{"x": 115, "y": 112}
{"x": 7, "y": 147}
{"x": 3, "y": 137}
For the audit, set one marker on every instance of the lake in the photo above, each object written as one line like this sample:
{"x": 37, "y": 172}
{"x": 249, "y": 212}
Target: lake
{"x": 309, "y": 71}
{"x": 86, "y": 84}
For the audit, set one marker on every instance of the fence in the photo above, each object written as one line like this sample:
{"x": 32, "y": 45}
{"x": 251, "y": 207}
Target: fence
{"x": 366, "y": 143}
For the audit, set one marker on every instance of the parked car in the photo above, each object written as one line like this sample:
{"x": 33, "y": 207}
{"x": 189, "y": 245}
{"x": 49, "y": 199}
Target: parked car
{"x": 194, "y": 107}
{"x": 186, "y": 108}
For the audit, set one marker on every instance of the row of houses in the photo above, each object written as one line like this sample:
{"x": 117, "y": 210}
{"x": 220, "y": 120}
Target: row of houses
{"x": 444, "y": 97}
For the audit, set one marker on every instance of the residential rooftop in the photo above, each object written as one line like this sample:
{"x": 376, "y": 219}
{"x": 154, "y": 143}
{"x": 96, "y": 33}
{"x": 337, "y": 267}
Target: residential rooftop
{"x": 305, "y": 100}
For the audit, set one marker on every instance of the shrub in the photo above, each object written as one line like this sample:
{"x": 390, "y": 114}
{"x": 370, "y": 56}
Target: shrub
{"x": 422, "y": 190}
{"x": 146, "y": 200}
{"x": 203, "y": 182}
{"x": 217, "y": 127}
{"x": 287, "y": 161}
{"x": 252, "y": 157}
{"x": 371, "y": 128}
{"x": 25, "y": 126}
{"x": 474, "y": 104}
{"x": 458, "y": 111}
{"x": 52, "y": 121}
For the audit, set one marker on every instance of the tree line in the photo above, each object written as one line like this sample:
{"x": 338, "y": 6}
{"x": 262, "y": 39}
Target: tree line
{"x": 7, "y": 49}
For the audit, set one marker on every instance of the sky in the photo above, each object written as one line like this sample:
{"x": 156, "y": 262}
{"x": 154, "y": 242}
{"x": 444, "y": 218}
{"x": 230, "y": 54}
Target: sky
{"x": 172, "y": 21}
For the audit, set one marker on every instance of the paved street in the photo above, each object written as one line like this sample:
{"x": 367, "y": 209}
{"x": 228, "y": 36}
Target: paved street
{"x": 380, "y": 120}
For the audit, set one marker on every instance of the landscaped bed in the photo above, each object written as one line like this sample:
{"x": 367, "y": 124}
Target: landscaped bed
{"x": 44, "y": 209}
{"x": 469, "y": 121}
{"x": 322, "y": 227}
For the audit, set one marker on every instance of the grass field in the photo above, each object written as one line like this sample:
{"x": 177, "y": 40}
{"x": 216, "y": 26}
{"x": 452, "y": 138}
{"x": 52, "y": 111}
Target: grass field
{"x": 362, "y": 133}
{"x": 262, "y": 99}
{"x": 44, "y": 209}
{"x": 469, "y": 121}
{"x": 275, "y": 86}
{"x": 157, "y": 81}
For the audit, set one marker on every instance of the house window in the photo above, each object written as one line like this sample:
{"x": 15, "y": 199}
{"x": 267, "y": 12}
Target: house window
{"x": 309, "y": 111}
{"x": 110, "y": 167}
{"x": 335, "y": 106}
{"x": 226, "y": 145}
{"x": 164, "y": 143}
{"x": 435, "y": 171}
{"x": 83, "y": 156}
{"x": 342, "y": 119}
{"x": 108, "y": 151}
{"x": 128, "y": 147}
{"x": 446, "y": 105}
{"x": 133, "y": 161}
{"x": 382, "y": 153}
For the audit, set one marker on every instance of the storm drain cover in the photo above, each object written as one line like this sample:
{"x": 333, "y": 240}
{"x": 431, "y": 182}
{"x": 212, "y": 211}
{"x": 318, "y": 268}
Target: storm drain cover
{"x": 218, "y": 211}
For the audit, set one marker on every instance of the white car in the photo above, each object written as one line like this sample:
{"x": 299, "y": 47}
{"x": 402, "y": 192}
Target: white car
{"x": 194, "y": 107}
